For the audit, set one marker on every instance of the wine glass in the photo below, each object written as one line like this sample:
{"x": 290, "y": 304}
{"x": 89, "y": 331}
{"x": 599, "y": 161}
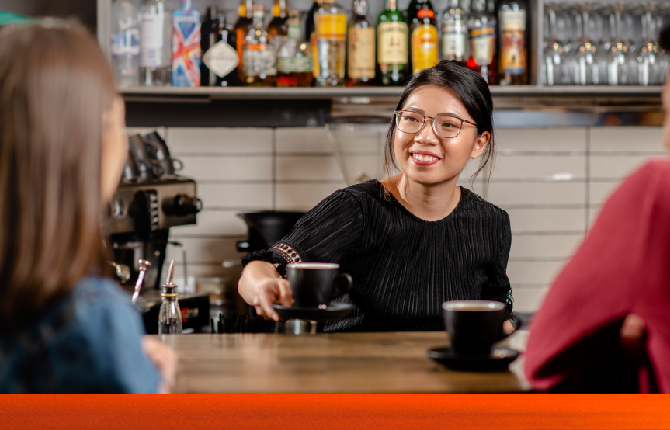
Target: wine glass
{"x": 589, "y": 63}
{"x": 620, "y": 62}
{"x": 649, "y": 71}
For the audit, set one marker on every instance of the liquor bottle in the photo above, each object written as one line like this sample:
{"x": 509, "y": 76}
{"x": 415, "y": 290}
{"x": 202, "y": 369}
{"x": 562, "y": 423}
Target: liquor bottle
{"x": 219, "y": 57}
{"x": 125, "y": 43}
{"x": 361, "y": 53}
{"x": 169, "y": 315}
{"x": 454, "y": 32}
{"x": 186, "y": 46}
{"x": 241, "y": 28}
{"x": 258, "y": 54}
{"x": 294, "y": 56}
{"x": 482, "y": 38}
{"x": 392, "y": 52}
{"x": 309, "y": 21}
{"x": 513, "y": 67}
{"x": 277, "y": 26}
{"x": 423, "y": 46}
{"x": 330, "y": 27}
{"x": 156, "y": 44}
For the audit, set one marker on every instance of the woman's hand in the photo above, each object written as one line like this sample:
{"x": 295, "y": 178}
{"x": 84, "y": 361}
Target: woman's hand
{"x": 261, "y": 286}
{"x": 165, "y": 361}
{"x": 270, "y": 291}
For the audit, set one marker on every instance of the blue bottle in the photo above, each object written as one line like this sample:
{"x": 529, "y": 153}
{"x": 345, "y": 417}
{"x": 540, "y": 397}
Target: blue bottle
{"x": 186, "y": 46}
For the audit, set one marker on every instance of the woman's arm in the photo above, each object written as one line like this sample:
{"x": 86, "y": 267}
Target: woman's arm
{"x": 260, "y": 286}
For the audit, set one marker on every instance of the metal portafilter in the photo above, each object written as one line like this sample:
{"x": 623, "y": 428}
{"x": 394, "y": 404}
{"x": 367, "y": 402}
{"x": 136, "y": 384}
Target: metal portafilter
{"x": 144, "y": 265}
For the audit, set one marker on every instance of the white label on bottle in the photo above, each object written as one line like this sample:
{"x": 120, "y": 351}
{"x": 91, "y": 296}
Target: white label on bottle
{"x": 257, "y": 62}
{"x": 453, "y": 46}
{"x": 221, "y": 59}
{"x": 152, "y": 40}
{"x": 294, "y": 64}
{"x": 483, "y": 41}
{"x": 513, "y": 20}
{"x": 127, "y": 42}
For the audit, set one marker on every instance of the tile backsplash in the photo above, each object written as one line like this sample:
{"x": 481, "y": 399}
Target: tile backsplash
{"x": 552, "y": 182}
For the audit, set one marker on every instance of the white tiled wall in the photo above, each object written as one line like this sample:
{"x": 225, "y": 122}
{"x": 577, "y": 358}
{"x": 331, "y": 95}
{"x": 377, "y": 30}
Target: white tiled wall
{"x": 552, "y": 182}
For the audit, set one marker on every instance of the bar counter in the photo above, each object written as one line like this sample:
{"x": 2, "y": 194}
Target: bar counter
{"x": 373, "y": 362}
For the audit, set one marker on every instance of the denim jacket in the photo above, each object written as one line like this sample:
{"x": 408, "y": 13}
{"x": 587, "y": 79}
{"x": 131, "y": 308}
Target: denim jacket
{"x": 87, "y": 343}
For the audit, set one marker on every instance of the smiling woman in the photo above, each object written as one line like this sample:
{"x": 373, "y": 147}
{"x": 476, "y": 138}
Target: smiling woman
{"x": 414, "y": 240}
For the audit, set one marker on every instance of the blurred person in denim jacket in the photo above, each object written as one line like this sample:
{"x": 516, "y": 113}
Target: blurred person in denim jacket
{"x": 65, "y": 327}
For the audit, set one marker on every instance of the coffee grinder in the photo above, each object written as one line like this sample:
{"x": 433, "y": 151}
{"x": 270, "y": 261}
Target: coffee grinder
{"x": 151, "y": 199}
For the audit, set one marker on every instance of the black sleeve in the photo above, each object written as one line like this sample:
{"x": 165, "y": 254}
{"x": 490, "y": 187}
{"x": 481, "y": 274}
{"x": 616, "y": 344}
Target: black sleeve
{"x": 498, "y": 287}
{"x": 327, "y": 233}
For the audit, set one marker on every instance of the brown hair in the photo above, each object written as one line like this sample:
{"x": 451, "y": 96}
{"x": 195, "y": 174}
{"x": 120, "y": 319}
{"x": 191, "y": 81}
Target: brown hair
{"x": 55, "y": 84}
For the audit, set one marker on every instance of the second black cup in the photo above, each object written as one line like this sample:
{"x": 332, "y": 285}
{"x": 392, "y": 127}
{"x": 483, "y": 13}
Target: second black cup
{"x": 316, "y": 284}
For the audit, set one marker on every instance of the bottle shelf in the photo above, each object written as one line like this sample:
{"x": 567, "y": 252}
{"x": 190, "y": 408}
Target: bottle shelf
{"x": 359, "y": 95}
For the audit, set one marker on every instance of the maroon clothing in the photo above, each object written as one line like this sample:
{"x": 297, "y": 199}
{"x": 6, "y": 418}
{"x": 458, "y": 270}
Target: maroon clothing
{"x": 622, "y": 267}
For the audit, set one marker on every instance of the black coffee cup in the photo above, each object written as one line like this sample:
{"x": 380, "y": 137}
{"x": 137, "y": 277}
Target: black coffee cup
{"x": 316, "y": 284}
{"x": 474, "y": 325}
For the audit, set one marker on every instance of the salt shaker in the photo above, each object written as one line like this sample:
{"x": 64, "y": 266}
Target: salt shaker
{"x": 169, "y": 317}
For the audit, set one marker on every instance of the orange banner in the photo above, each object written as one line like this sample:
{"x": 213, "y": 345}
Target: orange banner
{"x": 336, "y": 412}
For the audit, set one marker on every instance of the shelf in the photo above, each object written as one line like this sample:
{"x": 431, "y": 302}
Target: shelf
{"x": 359, "y": 94}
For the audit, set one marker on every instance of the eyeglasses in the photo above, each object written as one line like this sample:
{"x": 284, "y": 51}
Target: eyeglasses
{"x": 445, "y": 125}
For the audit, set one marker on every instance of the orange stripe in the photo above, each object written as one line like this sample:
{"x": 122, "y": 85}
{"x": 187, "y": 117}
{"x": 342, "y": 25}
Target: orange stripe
{"x": 336, "y": 412}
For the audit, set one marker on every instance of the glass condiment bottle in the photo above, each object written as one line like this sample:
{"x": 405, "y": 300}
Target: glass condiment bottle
{"x": 330, "y": 23}
{"x": 258, "y": 53}
{"x": 361, "y": 54}
{"x": 392, "y": 37}
{"x": 169, "y": 316}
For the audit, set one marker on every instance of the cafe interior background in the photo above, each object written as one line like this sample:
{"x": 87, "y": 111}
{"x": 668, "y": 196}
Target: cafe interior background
{"x": 561, "y": 151}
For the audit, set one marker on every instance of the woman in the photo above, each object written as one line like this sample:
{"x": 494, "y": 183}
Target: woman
{"x": 65, "y": 326}
{"x": 416, "y": 239}
{"x": 613, "y": 293}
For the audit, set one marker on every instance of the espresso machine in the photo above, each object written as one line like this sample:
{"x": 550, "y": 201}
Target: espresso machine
{"x": 151, "y": 199}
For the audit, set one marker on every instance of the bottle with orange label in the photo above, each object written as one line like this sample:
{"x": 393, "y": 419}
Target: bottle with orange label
{"x": 424, "y": 45}
{"x": 241, "y": 28}
{"x": 330, "y": 28}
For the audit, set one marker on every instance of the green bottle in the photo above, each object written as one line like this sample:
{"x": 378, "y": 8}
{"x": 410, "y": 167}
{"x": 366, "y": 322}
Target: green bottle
{"x": 392, "y": 41}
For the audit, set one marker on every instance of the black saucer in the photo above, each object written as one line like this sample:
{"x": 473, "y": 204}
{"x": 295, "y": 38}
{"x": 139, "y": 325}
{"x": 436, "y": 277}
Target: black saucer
{"x": 498, "y": 361}
{"x": 331, "y": 313}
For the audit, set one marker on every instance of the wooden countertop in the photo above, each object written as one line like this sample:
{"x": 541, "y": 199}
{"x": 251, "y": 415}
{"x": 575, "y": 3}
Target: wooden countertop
{"x": 378, "y": 362}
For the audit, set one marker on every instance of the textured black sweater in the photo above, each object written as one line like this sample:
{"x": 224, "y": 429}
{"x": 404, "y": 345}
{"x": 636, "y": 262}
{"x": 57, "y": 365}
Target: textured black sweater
{"x": 403, "y": 267}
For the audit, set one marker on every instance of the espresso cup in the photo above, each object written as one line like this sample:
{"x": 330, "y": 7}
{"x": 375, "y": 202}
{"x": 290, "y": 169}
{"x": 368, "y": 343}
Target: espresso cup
{"x": 474, "y": 325}
{"x": 316, "y": 284}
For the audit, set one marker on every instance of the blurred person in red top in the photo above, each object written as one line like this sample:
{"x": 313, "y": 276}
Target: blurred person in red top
{"x": 605, "y": 323}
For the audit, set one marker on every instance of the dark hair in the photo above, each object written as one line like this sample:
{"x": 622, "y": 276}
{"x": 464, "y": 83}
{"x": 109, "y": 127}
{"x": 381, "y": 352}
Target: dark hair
{"x": 55, "y": 84}
{"x": 470, "y": 88}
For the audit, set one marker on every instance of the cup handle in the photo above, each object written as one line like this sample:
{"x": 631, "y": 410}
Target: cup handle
{"x": 341, "y": 284}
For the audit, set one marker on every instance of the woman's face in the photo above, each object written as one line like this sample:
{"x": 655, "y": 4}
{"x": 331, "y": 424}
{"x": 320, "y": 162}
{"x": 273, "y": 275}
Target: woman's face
{"x": 428, "y": 159}
{"x": 114, "y": 148}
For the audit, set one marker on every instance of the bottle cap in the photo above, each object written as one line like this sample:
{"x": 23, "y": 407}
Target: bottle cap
{"x": 169, "y": 289}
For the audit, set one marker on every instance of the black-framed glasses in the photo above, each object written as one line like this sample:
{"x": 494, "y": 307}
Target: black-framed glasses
{"x": 447, "y": 125}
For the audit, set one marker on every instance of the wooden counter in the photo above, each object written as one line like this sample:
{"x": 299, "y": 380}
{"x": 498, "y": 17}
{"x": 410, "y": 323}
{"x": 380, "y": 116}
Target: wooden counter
{"x": 386, "y": 362}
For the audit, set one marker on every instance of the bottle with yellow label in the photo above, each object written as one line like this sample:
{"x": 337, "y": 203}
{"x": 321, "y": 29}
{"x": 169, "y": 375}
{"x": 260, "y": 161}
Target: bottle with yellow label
{"x": 424, "y": 45}
{"x": 392, "y": 45}
{"x": 330, "y": 27}
{"x": 361, "y": 53}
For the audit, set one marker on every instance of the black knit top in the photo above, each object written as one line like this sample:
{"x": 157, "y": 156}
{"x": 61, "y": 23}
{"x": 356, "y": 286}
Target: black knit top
{"x": 403, "y": 267}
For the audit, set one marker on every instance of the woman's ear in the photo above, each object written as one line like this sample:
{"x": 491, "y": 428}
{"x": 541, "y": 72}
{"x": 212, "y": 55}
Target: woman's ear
{"x": 481, "y": 142}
